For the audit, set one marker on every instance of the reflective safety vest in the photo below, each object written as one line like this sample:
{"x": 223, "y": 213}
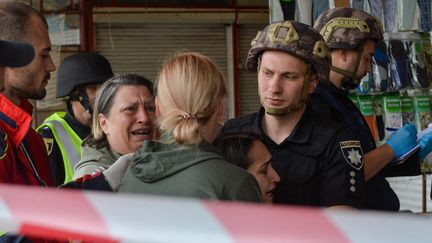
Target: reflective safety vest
{"x": 68, "y": 141}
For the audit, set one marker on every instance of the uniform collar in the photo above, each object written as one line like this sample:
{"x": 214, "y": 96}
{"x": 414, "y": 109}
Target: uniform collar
{"x": 302, "y": 131}
{"x": 81, "y": 130}
{"x": 17, "y": 119}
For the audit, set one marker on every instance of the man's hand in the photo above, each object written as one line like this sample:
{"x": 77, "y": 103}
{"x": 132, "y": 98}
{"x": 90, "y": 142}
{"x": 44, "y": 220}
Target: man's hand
{"x": 425, "y": 145}
{"x": 403, "y": 140}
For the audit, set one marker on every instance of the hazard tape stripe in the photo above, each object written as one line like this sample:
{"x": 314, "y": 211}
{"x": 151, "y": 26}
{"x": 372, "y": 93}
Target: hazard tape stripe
{"x": 111, "y": 217}
{"x": 365, "y": 226}
{"x": 159, "y": 219}
{"x": 255, "y": 223}
{"x": 53, "y": 212}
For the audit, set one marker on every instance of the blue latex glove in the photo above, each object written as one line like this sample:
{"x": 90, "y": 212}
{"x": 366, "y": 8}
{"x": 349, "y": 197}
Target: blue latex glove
{"x": 425, "y": 145}
{"x": 403, "y": 140}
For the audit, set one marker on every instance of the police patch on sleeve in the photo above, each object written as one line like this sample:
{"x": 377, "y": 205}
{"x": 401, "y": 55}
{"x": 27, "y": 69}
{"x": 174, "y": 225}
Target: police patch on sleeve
{"x": 49, "y": 144}
{"x": 353, "y": 153}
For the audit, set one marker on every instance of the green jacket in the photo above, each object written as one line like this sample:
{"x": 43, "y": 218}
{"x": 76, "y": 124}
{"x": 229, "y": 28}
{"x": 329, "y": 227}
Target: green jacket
{"x": 94, "y": 158}
{"x": 199, "y": 172}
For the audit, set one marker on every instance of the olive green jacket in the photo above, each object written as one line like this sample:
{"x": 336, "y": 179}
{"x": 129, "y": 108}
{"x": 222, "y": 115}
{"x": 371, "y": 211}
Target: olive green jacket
{"x": 94, "y": 159}
{"x": 198, "y": 172}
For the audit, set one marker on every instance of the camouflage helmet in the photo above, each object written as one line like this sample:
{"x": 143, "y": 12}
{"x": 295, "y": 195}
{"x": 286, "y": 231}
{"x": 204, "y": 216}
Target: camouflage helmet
{"x": 346, "y": 28}
{"x": 294, "y": 38}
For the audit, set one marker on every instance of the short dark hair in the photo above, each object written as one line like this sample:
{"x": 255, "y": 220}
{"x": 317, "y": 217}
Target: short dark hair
{"x": 235, "y": 148}
{"x": 15, "y": 20}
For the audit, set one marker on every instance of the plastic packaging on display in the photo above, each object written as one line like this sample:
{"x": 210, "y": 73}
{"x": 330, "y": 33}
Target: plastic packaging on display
{"x": 392, "y": 112}
{"x": 379, "y": 74}
{"x": 398, "y": 65}
{"x": 417, "y": 62}
{"x": 379, "y": 115}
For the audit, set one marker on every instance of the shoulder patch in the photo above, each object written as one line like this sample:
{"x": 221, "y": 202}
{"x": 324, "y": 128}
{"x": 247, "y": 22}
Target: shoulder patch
{"x": 353, "y": 153}
{"x": 49, "y": 144}
{"x": 3, "y": 144}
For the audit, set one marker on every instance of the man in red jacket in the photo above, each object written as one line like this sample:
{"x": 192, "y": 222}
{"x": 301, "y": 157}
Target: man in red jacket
{"x": 23, "y": 157}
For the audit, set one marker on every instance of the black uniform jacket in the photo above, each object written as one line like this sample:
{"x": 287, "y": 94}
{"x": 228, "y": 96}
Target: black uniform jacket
{"x": 333, "y": 103}
{"x": 319, "y": 163}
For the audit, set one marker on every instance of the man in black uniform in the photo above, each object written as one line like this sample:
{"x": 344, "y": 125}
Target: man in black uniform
{"x": 351, "y": 35}
{"x": 78, "y": 77}
{"x": 318, "y": 161}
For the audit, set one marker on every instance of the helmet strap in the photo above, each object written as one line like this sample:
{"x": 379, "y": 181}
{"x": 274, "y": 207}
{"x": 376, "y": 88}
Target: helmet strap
{"x": 350, "y": 79}
{"x": 296, "y": 107}
{"x": 85, "y": 101}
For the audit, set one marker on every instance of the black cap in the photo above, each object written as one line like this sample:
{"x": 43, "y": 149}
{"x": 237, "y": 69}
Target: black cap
{"x": 82, "y": 68}
{"x": 15, "y": 54}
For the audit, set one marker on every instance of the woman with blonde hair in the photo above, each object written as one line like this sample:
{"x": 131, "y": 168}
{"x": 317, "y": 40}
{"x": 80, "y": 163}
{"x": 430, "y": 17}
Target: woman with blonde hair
{"x": 190, "y": 106}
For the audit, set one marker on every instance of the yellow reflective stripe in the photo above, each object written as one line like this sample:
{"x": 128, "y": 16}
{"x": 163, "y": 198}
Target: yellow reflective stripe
{"x": 68, "y": 141}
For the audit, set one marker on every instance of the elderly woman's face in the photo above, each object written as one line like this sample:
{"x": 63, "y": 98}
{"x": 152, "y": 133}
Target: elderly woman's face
{"x": 130, "y": 120}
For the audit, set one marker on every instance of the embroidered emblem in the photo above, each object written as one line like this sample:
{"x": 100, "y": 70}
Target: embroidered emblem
{"x": 352, "y": 153}
{"x": 49, "y": 144}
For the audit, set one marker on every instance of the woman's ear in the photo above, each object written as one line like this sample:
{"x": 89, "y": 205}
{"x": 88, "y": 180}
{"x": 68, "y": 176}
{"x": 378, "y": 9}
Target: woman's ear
{"x": 103, "y": 123}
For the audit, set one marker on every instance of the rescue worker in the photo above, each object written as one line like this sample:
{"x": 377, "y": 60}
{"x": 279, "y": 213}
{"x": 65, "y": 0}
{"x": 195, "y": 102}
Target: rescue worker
{"x": 351, "y": 35}
{"x": 318, "y": 162}
{"x": 23, "y": 158}
{"x": 78, "y": 77}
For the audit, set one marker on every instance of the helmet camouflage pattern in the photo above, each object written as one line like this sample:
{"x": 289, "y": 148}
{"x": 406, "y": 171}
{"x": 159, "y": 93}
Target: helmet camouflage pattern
{"x": 295, "y": 38}
{"x": 346, "y": 28}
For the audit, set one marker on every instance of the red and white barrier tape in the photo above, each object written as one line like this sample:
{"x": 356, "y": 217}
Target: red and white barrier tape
{"x": 111, "y": 217}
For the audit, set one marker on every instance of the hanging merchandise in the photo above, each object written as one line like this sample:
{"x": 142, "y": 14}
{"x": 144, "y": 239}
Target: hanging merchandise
{"x": 422, "y": 105}
{"x": 367, "y": 110}
{"x": 417, "y": 63}
{"x": 407, "y": 108}
{"x": 357, "y": 4}
{"x": 319, "y": 6}
{"x": 353, "y": 97}
{"x": 342, "y": 3}
{"x": 425, "y": 14}
{"x": 398, "y": 65}
{"x": 392, "y": 112}
{"x": 304, "y": 13}
{"x": 378, "y": 111}
{"x": 408, "y": 15}
{"x": 379, "y": 74}
{"x": 427, "y": 51}
{"x": 288, "y": 9}
{"x": 377, "y": 9}
{"x": 364, "y": 86}
{"x": 390, "y": 15}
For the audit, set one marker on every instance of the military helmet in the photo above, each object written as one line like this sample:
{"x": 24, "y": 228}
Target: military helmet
{"x": 294, "y": 38}
{"x": 82, "y": 68}
{"x": 346, "y": 28}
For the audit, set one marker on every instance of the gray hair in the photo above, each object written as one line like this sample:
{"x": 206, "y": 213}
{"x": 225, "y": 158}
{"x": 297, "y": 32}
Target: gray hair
{"x": 105, "y": 98}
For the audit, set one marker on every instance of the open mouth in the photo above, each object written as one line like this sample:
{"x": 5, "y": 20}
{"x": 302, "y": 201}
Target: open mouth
{"x": 269, "y": 194}
{"x": 142, "y": 132}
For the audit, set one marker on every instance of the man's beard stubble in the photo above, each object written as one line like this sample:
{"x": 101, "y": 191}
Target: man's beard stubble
{"x": 23, "y": 90}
